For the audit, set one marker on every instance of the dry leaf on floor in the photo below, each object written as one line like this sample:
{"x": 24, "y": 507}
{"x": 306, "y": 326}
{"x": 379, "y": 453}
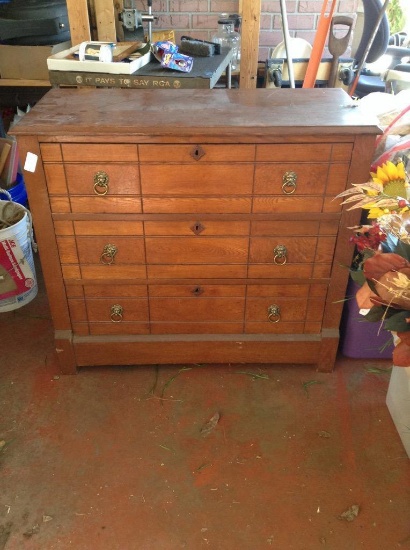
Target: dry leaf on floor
{"x": 210, "y": 425}
{"x": 351, "y": 513}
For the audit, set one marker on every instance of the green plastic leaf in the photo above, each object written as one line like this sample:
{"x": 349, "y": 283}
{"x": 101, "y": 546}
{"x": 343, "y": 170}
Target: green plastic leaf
{"x": 375, "y": 314}
{"x": 372, "y": 285}
{"x": 358, "y": 277}
{"x": 403, "y": 250}
{"x": 397, "y": 322}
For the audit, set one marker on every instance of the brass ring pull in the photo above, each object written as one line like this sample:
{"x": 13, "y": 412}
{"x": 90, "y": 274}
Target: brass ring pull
{"x": 116, "y": 313}
{"x": 280, "y": 253}
{"x": 108, "y": 254}
{"x": 289, "y": 182}
{"x": 101, "y": 181}
{"x": 274, "y": 313}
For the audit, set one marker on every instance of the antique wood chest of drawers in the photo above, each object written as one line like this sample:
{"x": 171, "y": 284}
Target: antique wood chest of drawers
{"x": 186, "y": 226}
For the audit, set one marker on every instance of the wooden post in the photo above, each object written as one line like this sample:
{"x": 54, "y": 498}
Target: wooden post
{"x": 79, "y": 21}
{"x": 104, "y": 10}
{"x": 118, "y": 8}
{"x": 251, "y": 14}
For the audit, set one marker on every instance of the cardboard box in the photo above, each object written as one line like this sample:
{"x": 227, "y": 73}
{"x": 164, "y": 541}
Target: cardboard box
{"x": 398, "y": 403}
{"x": 64, "y": 61}
{"x": 27, "y": 62}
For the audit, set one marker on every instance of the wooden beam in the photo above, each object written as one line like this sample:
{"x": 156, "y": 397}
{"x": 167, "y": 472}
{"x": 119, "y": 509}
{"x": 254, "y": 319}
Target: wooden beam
{"x": 79, "y": 22}
{"x": 251, "y": 15}
{"x": 118, "y": 8}
{"x": 104, "y": 10}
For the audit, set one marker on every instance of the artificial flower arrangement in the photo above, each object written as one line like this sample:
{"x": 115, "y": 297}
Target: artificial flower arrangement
{"x": 382, "y": 264}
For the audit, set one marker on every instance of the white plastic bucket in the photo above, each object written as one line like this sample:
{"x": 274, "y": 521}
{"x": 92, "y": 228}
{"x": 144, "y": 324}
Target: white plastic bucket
{"x": 18, "y": 283}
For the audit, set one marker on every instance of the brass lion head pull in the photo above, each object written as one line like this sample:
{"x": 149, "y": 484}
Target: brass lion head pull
{"x": 116, "y": 313}
{"x": 274, "y": 313}
{"x": 289, "y": 180}
{"x": 101, "y": 181}
{"x": 108, "y": 254}
{"x": 280, "y": 254}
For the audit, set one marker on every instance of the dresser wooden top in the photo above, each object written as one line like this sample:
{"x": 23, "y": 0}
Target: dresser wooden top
{"x": 223, "y": 113}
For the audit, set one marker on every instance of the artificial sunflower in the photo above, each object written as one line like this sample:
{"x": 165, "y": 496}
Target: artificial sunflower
{"x": 387, "y": 192}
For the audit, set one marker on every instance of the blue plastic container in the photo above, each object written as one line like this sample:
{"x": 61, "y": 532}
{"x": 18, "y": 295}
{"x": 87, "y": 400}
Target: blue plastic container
{"x": 18, "y": 192}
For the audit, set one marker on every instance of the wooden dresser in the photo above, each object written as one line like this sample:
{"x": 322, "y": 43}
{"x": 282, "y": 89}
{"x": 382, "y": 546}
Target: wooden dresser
{"x": 183, "y": 226}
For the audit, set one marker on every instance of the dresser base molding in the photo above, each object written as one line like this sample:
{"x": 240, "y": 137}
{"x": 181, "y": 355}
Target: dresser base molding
{"x": 189, "y": 349}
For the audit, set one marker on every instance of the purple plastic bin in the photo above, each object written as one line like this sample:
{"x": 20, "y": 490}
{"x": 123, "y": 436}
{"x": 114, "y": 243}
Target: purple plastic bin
{"x": 361, "y": 339}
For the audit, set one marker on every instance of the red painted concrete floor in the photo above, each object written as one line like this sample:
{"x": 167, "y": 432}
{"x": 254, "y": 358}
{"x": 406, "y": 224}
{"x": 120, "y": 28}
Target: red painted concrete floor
{"x": 116, "y": 458}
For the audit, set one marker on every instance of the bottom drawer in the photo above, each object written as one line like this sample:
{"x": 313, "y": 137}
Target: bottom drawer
{"x": 196, "y": 309}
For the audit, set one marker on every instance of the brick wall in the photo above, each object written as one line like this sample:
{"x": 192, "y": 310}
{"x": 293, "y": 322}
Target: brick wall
{"x": 199, "y": 18}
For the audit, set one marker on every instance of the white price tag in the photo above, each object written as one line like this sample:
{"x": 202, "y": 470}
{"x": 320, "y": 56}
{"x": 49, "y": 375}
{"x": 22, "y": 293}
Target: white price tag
{"x": 31, "y": 162}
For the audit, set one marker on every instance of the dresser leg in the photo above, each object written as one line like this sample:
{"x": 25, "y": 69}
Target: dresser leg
{"x": 64, "y": 353}
{"x": 327, "y": 357}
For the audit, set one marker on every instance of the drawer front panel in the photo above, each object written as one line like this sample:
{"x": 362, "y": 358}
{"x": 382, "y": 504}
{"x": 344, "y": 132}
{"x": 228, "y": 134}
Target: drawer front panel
{"x": 201, "y": 309}
{"x": 117, "y": 291}
{"x": 295, "y": 152}
{"x": 123, "y": 179}
{"x": 98, "y": 250}
{"x": 105, "y": 205}
{"x": 102, "y": 257}
{"x": 101, "y": 310}
{"x": 51, "y": 152}
{"x": 268, "y": 250}
{"x": 303, "y": 228}
{"x": 192, "y": 205}
{"x": 190, "y": 271}
{"x": 190, "y": 309}
{"x": 99, "y": 152}
{"x": 286, "y": 257}
{"x": 209, "y": 179}
{"x": 56, "y": 179}
{"x": 106, "y": 251}
{"x": 270, "y": 204}
{"x": 285, "y": 309}
{"x": 196, "y": 250}
{"x": 310, "y": 178}
{"x": 108, "y": 228}
{"x": 93, "y": 312}
{"x": 197, "y": 153}
{"x": 289, "y": 316}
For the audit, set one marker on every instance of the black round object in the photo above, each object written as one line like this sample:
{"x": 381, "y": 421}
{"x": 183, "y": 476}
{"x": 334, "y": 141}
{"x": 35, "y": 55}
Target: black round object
{"x": 34, "y": 22}
{"x": 371, "y": 9}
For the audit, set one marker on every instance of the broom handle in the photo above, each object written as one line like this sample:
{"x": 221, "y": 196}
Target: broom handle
{"x": 286, "y": 37}
{"x": 352, "y": 88}
{"x": 318, "y": 45}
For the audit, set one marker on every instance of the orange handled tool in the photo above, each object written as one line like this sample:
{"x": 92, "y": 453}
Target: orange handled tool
{"x": 319, "y": 44}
